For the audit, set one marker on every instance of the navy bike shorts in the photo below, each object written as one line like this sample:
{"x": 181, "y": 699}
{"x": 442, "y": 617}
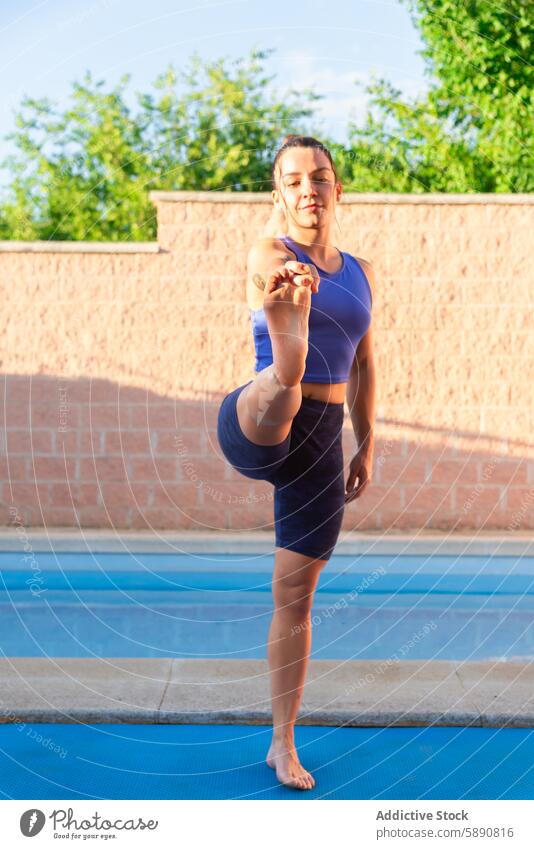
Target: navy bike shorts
{"x": 306, "y": 470}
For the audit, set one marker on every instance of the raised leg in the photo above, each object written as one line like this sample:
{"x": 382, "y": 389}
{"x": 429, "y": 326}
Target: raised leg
{"x": 268, "y": 405}
{"x": 294, "y": 581}
{"x": 266, "y": 408}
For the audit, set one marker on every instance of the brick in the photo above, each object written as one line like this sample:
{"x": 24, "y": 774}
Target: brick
{"x": 102, "y": 469}
{"x": 155, "y": 518}
{"x": 91, "y": 442}
{"x": 179, "y": 496}
{"x": 384, "y": 519}
{"x": 153, "y": 469}
{"x": 173, "y": 442}
{"x": 509, "y": 217}
{"x": 229, "y": 494}
{"x": 127, "y": 442}
{"x": 503, "y": 471}
{"x": 426, "y": 498}
{"x": 53, "y": 468}
{"x": 16, "y": 389}
{"x": 192, "y": 415}
{"x": 463, "y": 217}
{"x": 520, "y": 500}
{"x": 479, "y": 498}
{"x": 395, "y": 471}
{"x": 99, "y": 517}
{"x": 435, "y": 291}
{"x": 453, "y": 472}
{"x": 23, "y": 494}
{"x": 29, "y": 442}
{"x": 66, "y": 442}
{"x": 75, "y": 495}
{"x": 60, "y": 516}
{"x": 39, "y": 416}
{"x": 115, "y": 495}
{"x": 154, "y": 416}
{"x": 242, "y": 519}
{"x": 96, "y": 416}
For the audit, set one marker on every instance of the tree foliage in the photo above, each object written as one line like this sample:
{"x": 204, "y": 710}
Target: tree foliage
{"x": 85, "y": 173}
{"x": 472, "y": 130}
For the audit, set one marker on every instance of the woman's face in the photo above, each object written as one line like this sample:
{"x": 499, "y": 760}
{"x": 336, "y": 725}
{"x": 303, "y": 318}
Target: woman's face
{"x": 307, "y": 187}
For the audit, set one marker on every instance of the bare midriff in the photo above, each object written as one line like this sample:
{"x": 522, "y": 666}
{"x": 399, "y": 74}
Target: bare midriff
{"x": 331, "y": 393}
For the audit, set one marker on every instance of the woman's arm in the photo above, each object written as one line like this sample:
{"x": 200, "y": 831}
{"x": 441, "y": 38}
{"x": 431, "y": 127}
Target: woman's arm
{"x": 264, "y": 258}
{"x": 361, "y": 399}
{"x": 361, "y": 385}
{"x": 361, "y": 394}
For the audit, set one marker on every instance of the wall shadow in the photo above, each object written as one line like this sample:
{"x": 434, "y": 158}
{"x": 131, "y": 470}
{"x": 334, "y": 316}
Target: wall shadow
{"x": 94, "y": 454}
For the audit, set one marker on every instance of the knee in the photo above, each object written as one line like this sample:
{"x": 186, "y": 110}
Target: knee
{"x": 294, "y": 601}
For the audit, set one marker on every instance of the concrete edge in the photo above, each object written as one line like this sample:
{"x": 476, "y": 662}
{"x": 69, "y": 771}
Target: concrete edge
{"x": 157, "y": 196}
{"x": 339, "y": 719}
{"x": 13, "y": 246}
{"x": 18, "y": 538}
{"x": 22, "y": 707}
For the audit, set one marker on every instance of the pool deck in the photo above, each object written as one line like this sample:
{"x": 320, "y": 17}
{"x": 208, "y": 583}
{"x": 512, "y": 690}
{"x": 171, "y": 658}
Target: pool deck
{"x": 354, "y": 693}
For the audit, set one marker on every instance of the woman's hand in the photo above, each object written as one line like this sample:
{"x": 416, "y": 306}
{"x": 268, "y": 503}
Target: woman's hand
{"x": 361, "y": 469}
{"x": 296, "y": 273}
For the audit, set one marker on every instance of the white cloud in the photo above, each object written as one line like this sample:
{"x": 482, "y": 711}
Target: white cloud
{"x": 342, "y": 101}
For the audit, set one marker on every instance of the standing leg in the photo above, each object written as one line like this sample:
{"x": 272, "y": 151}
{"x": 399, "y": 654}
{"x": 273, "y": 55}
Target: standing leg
{"x": 294, "y": 581}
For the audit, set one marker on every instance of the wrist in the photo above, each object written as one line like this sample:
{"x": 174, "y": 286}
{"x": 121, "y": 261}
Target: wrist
{"x": 366, "y": 443}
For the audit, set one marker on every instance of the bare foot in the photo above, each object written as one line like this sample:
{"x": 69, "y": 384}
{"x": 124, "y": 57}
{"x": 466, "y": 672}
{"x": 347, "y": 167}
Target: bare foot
{"x": 287, "y": 310}
{"x": 284, "y": 759}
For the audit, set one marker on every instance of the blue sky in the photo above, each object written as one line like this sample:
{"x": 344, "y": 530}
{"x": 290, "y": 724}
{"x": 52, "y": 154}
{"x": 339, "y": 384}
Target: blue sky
{"x": 324, "y": 44}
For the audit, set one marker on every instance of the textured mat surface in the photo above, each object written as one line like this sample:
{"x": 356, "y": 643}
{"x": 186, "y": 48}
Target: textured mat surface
{"x": 52, "y": 761}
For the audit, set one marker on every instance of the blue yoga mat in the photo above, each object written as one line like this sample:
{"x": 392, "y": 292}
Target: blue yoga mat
{"x": 120, "y": 761}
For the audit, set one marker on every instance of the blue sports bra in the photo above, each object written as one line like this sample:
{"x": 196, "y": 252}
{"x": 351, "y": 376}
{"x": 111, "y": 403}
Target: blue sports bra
{"x": 340, "y": 316}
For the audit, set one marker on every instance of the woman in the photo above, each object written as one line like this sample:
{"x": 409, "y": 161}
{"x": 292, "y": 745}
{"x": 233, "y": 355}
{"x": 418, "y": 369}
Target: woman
{"x": 311, "y": 312}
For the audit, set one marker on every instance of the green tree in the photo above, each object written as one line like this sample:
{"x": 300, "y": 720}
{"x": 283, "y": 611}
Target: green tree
{"x": 85, "y": 173}
{"x": 472, "y": 130}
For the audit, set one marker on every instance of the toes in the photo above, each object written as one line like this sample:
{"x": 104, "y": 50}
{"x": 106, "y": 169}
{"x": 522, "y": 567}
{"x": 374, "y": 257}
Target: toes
{"x": 302, "y": 782}
{"x": 307, "y": 782}
{"x": 310, "y": 781}
{"x": 297, "y": 782}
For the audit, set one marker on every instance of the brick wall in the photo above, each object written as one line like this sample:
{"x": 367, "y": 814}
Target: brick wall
{"x": 116, "y": 357}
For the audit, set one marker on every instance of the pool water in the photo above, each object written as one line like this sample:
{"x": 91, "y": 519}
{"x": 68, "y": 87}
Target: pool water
{"x": 411, "y": 607}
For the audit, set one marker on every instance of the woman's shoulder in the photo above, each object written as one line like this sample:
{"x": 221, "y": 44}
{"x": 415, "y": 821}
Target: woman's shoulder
{"x": 264, "y": 252}
{"x": 368, "y": 270}
{"x": 267, "y": 247}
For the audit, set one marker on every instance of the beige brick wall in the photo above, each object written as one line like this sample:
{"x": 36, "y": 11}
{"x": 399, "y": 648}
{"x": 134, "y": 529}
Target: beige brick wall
{"x": 116, "y": 358}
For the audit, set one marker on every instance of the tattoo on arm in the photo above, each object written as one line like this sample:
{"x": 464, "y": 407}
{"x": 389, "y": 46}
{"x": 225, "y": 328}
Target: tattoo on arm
{"x": 260, "y": 281}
